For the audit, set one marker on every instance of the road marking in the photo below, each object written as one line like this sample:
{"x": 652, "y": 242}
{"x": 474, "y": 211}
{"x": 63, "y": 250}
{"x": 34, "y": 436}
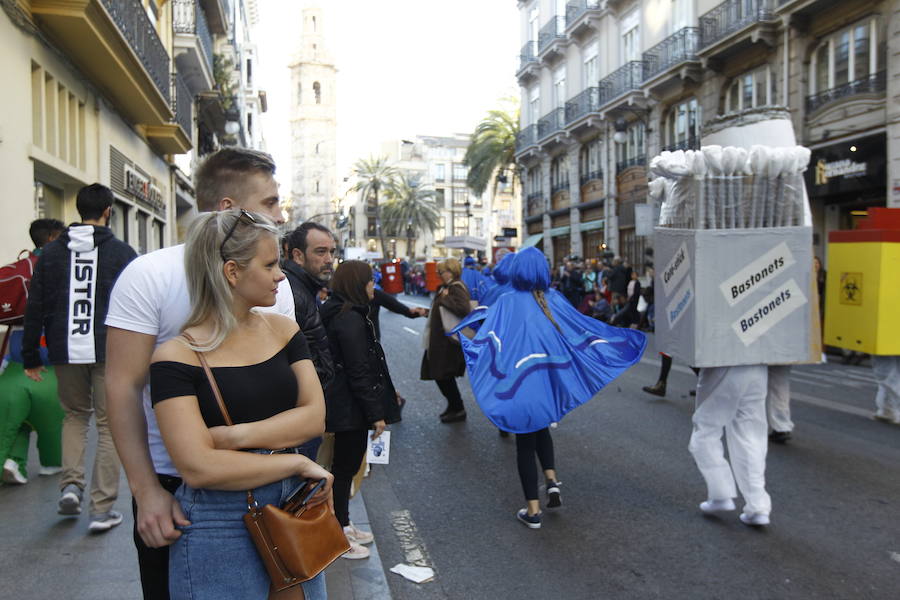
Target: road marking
{"x": 412, "y": 331}
{"x": 414, "y": 551}
{"x": 822, "y": 403}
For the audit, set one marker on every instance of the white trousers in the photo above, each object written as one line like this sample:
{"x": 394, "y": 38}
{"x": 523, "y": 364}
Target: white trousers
{"x": 778, "y": 398}
{"x": 887, "y": 372}
{"x": 733, "y": 399}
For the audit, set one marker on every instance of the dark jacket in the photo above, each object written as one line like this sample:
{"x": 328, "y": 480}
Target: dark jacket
{"x": 618, "y": 279}
{"x": 361, "y": 392}
{"x": 384, "y": 299}
{"x": 444, "y": 358}
{"x": 305, "y": 287}
{"x": 69, "y": 305}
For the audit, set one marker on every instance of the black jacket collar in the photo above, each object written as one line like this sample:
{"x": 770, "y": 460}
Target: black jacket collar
{"x": 311, "y": 283}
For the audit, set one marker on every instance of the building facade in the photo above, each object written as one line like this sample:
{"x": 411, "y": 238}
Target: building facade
{"x": 468, "y": 224}
{"x": 127, "y": 93}
{"x": 607, "y": 84}
{"x": 313, "y": 125}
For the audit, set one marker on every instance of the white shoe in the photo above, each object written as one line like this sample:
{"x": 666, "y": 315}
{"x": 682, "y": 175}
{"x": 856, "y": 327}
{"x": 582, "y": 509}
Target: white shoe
{"x": 356, "y": 552}
{"x": 714, "y": 506}
{"x": 755, "y": 519}
{"x": 50, "y": 470}
{"x": 105, "y": 521}
{"x": 12, "y": 473}
{"x": 357, "y": 535}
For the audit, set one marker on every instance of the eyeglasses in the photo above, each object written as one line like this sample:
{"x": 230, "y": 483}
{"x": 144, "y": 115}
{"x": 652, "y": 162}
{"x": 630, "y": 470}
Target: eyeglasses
{"x": 228, "y": 235}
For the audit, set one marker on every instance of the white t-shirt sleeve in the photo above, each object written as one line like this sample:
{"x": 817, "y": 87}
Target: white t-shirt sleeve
{"x": 134, "y": 302}
{"x": 284, "y": 300}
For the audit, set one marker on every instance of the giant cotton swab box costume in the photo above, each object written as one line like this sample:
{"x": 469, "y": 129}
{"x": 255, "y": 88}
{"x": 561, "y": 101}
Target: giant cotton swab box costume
{"x": 734, "y": 257}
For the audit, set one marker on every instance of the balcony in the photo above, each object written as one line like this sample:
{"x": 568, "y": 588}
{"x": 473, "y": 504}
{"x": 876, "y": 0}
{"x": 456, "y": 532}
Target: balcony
{"x": 183, "y": 106}
{"x": 552, "y": 122}
{"x": 691, "y": 143}
{"x": 734, "y": 25}
{"x": 586, "y": 178}
{"x": 582, "y": 16}
{"x": 114, "y": 43}
{"x": 529, "y": 66}
{"x": 624, "y": 80}
{"x": 526, "y": 138}
{"x": 193, "y": 45}
{"x": 534, "y": 204}
{"x": 559, "y": 186}
{"x": 677, "y": 50}
{"x": 552, "y": 39}
{"x": 872, "y": 85}
{"x": 634, "y": 161}
{"x": 218, "y": 12}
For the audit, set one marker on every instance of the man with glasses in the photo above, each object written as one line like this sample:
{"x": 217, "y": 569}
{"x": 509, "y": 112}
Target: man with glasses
{"x": 149, "y": 305}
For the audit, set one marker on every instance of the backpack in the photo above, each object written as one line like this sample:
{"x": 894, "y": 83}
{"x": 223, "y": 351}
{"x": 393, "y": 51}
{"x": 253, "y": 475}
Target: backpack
{"x": 14, "y": 281}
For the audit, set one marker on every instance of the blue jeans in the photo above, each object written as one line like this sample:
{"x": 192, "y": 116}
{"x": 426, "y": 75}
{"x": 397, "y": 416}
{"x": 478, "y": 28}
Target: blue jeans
{"x": 215, "y": 558}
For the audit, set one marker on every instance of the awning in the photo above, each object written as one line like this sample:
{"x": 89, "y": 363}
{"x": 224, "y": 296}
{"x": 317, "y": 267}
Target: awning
{"x": 592, "y": 225}
{"x": 466, "y": 242}
{"x": 532, "y": 240}
{"x": 564, "y": 230}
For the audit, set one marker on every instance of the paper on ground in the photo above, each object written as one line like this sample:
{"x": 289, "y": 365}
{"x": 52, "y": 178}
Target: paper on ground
{"x": 379, "y": 449}
{"x": 414, "y": 574}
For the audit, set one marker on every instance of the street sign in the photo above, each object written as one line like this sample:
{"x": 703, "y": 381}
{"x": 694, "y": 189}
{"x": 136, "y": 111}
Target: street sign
{"x": 510, "y": 232}
{"x": 500, "y": 239}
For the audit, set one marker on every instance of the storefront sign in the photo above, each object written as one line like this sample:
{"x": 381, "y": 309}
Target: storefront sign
{"x": 839, "y": 168}
{"x": 141, "y": 188}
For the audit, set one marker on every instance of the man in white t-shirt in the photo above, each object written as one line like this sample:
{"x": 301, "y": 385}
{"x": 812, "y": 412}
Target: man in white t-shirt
{"x": 149, "y": 305}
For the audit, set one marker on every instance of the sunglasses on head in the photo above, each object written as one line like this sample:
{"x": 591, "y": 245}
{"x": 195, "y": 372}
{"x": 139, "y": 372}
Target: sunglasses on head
{"x": 230, "y": 233}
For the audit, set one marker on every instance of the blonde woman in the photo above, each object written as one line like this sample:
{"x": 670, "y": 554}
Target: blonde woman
{"x": 262, "y": 366}
{"x": 443, "y": 360}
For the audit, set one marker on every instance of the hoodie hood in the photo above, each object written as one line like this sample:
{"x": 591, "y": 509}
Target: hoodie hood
{"x": 84, "y": 238}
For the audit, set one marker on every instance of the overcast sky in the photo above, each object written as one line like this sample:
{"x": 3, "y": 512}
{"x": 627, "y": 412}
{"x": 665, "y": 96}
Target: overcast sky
{"x": 405, "y": 68}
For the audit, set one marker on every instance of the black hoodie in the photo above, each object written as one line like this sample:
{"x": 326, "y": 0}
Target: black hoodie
{"x": 69, "y": 295}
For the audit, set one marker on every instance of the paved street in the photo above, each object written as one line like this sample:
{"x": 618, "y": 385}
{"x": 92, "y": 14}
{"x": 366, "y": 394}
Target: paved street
{"x": 628, "y": 528}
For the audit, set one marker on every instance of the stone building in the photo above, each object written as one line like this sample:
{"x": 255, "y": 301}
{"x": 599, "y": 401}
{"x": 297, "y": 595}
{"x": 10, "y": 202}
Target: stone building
{"x": 313, "y": 125}
{"x": 608, "y": 84}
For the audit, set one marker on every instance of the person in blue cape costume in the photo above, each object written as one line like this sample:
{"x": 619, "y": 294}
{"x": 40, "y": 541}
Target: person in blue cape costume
{"x": 501, "y": 285}
{"x": 532, "y": 360}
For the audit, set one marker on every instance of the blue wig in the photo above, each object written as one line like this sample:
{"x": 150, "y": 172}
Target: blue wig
{"x": 501, "y": 271}
{"x": 529, "y": 271}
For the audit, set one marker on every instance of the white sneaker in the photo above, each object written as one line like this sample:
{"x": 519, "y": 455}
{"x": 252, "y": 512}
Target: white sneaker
{"x": 50, "y": 470}
{"x": 357, "y": 535}
{"x": 755, "y": 519}
{"x": 12, "y": 473}
{"x": 70, "y": 500}
{"x": 356, "y": 552}
{"x": 105, "y": 521}
{"x": 713, "y": 506}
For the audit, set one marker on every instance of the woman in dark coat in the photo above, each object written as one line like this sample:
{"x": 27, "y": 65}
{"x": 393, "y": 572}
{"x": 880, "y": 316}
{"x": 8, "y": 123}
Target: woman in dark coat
{"x": 443, "y": 359}
{"x": 361, "y": 396}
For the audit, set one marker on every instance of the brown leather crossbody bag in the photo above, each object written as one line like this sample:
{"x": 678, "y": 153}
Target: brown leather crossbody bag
{"x": 295, "y": 542}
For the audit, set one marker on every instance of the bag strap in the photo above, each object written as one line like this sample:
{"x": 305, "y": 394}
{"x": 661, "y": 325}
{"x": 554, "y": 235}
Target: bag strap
{"x": 252, "y": 506}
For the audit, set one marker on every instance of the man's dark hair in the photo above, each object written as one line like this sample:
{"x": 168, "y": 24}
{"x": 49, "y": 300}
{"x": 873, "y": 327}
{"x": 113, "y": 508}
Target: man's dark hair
{"x": 223, "y": 173}
{"x": 297, "y": 238}
{"x": 92, "y": 200}
{"x": 41, "y": 230}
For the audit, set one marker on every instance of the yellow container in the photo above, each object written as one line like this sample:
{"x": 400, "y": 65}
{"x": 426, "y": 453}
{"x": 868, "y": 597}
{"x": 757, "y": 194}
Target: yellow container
{"x": 862, "y": 291}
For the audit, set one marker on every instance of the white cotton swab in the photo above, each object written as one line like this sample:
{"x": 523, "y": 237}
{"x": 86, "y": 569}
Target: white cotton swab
{"x": 729, "y": 163}
{"x": 742, "y": 169}
{"x": 698, "y": 167}
{"x": 758, "y": 161}
{"x": 713, "y": 156}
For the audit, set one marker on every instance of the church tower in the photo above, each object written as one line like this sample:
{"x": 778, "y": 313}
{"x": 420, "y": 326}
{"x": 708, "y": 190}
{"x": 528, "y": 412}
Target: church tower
{"x": 313, "y": 124}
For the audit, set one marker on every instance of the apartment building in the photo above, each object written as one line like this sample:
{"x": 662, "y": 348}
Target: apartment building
{"x": 608, "y": 84}
{"x": 119, "y": 92}
{"x": 468, "y": 224}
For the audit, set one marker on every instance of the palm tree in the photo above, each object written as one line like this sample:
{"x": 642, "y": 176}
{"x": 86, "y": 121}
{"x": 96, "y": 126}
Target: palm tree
{"x": 492, "y": 149}
{"x": 374, "y": 175}
{"x": 411, "y": 209}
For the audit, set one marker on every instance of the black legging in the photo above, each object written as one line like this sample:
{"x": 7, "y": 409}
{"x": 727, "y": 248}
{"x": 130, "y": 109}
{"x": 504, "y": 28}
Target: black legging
{"x": 527, "y": 444}
{"x": 349, "y": 449}
{"x": 450, "y": 391}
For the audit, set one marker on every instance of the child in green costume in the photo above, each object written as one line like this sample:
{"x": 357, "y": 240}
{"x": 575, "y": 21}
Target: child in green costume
{"x": 27, "y": 406}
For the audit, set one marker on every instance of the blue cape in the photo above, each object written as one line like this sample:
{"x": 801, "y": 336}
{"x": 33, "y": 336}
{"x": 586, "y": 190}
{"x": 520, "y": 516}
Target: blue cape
{"x": 526, "y": 374}
{"x": 477, "y": 283}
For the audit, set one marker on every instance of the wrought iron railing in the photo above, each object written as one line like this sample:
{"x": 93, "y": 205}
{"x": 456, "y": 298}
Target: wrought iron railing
{"x": 527, "y": 56}
{"x": 634, "y": 161}
{"x": 679, "y": 47}
{"x": 576, "y": 9}
{"x": 182, "y": 104}
{"x": 552, "y": 122}
{"x": 584, "y": 103}
{"x": 134, "y": 24}
{"x": 559, "y": 186}
{"x": 525, "y": 137}
{"x": 626, "y": 78}
{"x": 553, "y": 30}
{"x": 873, "y": 84}
{"x": 534, "y": 203}
{"x": 732, "y": 16}
{"x": 188, "y": 17}
{"x": 692, "y": 143}
{"x": 591, "y": 176}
